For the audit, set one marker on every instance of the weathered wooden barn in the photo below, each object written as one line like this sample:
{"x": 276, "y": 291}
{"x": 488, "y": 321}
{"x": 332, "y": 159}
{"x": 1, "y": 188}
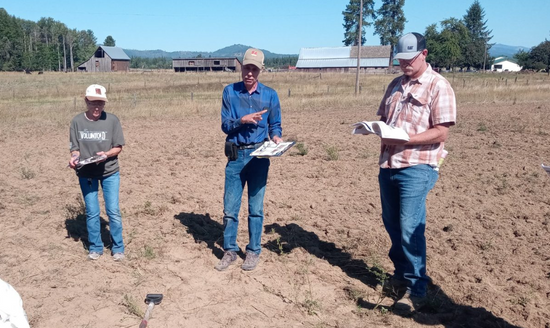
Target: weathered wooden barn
{"x": 106, "y": 59}
{"x": 206, "y": 64}
{"x": 343, "y": 59}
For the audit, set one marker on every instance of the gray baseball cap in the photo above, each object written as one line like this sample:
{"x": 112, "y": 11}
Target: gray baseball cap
{"x": 410, "y": 45}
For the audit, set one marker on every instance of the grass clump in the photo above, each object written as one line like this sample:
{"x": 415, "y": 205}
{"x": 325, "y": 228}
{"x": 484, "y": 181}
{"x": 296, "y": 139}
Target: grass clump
{"x": 332, "y": 153}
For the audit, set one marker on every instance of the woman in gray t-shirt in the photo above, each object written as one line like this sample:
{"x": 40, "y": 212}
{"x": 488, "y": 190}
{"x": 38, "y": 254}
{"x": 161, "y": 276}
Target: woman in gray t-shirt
{"x": 96, "y": 139}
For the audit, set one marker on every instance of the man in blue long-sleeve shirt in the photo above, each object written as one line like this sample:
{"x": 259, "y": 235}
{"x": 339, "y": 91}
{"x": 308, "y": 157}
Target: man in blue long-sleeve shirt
{"x": 251, "y": 114}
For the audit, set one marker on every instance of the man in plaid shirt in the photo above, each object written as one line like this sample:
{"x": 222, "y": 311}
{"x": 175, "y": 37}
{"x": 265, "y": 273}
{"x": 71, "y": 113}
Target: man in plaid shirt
{"x": 422, "y": 103}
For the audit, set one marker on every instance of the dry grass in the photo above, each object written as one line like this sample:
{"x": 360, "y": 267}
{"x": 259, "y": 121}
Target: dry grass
{"x": 56, "y": 97}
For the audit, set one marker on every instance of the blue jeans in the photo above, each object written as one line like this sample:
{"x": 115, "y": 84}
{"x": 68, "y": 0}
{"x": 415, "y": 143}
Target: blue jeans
{"x": 253, "y": 172}
{"x": 110, "y": 186}
{"x": 403, "y": 194}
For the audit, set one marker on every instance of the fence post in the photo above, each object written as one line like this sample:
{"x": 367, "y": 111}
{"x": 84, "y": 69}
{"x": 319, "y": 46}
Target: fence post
{"x": 360, "y": 88}
{"x": 328, "y": 88}
{"x": 191, "y": 96}
{"x": 289, "y": 92}
{"x": 135, "y": 100}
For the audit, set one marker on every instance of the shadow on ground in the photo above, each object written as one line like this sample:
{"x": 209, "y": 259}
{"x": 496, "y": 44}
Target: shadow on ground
{"x": 439, "y": 310}
{"x": 75, "y": 224}
{"x": 204, "y": 229}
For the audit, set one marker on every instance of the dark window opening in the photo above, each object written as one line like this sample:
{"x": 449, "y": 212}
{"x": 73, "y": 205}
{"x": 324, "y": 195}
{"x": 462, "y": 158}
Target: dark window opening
{"x": 99, "y": 53}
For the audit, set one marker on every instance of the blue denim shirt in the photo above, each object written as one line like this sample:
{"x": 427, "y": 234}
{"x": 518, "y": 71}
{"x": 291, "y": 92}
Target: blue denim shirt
{"x": 238, "y": 102}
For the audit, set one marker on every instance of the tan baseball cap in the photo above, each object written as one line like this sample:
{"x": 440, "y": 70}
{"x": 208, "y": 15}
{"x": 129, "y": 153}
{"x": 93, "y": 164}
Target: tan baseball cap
{"x": 96, "y": 92}
{"x": 255, "y": 57}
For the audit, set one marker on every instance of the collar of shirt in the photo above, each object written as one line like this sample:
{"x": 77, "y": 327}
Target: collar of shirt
{"x": 240, "y": 87}
{"x": 424, "y": 78}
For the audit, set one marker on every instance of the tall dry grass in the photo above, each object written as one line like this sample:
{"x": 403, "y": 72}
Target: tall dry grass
{"x": 56, "y": 97}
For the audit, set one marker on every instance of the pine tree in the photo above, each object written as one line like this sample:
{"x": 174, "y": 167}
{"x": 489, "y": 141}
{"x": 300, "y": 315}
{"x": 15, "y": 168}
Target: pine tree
{"x": 390, "y": 24}
{"x": 109, "y": 41}
{"x": 476, "y": 51}
{"x": 351, "y": 21}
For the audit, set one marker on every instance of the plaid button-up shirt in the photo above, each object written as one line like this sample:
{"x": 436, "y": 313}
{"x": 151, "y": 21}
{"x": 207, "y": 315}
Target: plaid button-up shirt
{"x": 416, "y": 106}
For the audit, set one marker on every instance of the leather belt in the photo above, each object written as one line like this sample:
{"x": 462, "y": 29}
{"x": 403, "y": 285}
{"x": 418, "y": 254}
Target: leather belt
{"x": 251, "y": 146}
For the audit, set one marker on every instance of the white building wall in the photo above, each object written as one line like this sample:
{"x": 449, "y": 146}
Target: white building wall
{"x": 506, "y": 66}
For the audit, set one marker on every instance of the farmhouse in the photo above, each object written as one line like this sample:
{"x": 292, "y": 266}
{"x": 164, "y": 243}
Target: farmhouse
{"x": 343, "y": 59}
{"x": 106, "y": 59}
{"x": 206, "y": 64}
{"x": 504, "y": 64}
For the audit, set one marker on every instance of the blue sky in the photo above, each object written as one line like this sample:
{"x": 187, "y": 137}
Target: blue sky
{"x": 282, "y": 26}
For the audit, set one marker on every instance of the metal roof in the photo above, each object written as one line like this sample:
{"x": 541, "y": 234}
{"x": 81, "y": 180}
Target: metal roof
{"x": 332, "y": 57}
{"x": 115, "y": 53}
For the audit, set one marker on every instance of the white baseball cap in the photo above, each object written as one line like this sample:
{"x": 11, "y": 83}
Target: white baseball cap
{"x": 96, "y": 92}
{"x": 410, "y": 45}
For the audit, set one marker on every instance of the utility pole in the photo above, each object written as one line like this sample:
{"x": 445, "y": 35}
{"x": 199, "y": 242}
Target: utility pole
{"x": 359, "y": 37}
{"x": 484, "y": 56}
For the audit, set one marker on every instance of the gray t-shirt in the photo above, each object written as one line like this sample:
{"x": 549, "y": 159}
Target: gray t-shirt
{"x": 91, "y": 137}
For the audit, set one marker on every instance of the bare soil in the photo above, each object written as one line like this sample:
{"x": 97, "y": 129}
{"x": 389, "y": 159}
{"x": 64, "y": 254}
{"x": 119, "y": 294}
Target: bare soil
{"x": 324, "y": 243}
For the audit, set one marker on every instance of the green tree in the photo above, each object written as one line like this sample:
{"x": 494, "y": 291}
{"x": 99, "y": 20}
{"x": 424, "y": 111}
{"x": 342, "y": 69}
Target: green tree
{"x": 523, "y": 58}
{"x": 351, "y": 21}
{"x": 445, "y": 47}
{"x": 86, "y": 46}
{"x": 390, "y": 23}
{"x": 11, "y": 42}
{"x": 71, "y": 39}
{"x": 109, "y": 41}
{"x": 540, "y": 56}
{"x": 476, "y": 50}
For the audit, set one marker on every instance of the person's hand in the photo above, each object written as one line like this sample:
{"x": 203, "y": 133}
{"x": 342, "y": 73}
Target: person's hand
{"x": 277, "y": 139}
{"x": 75, "y": 157}
{"x": 253, "y": 118}
{"x": 102, "y": 153}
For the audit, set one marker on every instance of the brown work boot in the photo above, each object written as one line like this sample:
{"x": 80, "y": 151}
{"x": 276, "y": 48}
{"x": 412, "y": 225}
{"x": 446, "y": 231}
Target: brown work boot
{"x": 251, "y": 261}
{"x": 228, "y": 258}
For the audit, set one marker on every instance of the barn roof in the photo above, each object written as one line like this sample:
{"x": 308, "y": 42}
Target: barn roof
{"x": 115, "y": 53}
{"x": 503, "y": 59}
{"x": 332, "y": 57}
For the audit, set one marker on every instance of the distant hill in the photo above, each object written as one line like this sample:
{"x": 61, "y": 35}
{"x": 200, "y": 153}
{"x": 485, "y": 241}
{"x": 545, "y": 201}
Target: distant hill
{"x": 236, "y": 50}
{"x": 498, "y": 50}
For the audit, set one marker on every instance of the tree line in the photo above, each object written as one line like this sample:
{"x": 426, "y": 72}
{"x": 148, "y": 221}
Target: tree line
{"x": 536, "y": 59}
{"x": 451, "y": 43}
{"x": 46, "y": 45}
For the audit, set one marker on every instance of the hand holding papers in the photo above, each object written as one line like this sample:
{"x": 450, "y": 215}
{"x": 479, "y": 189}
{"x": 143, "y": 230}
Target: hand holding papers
{"x": 381, "y": 129}
{"x": 271, "y": 149}
{"x": 90, "y": 160}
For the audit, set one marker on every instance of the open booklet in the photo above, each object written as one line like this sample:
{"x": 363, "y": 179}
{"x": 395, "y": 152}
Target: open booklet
{"x": 381, "y": 129}
{"x": 271, "y": 149}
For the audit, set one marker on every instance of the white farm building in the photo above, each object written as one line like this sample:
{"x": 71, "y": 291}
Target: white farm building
{"x": 504, "y": 64}
{"x": 343, "y": 59}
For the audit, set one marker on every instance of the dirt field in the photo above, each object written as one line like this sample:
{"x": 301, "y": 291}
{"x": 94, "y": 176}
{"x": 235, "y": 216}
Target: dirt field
{"x": 324, "y": 243}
